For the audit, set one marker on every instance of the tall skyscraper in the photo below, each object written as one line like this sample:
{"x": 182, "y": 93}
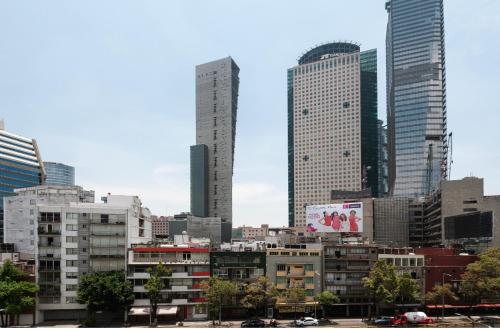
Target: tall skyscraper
{"x": 416, "y": 96}
{"x": 332, "y": 125}
{"x": 20, "y": 166}
{"x": 212, "y": 158}
{"x": 59, "y": 174}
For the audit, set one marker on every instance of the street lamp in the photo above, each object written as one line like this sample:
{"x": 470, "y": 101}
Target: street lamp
{"x": 442, "y": 294}
{"x": 316, "y": 273}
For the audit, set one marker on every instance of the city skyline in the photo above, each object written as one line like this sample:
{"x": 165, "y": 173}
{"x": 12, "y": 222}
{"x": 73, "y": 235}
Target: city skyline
{"x": 91, "y": 114}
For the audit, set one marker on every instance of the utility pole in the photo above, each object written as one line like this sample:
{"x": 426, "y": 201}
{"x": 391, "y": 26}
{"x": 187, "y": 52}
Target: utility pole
{"x": 442, "y": 295}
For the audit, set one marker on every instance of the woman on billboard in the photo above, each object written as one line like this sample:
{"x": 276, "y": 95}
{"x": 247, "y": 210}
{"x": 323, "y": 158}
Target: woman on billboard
{"x": 344, "y": 224}
{"x": 353, "y": 221}
{"x": 335, "y": 221}
{"x": 326, "y": 220}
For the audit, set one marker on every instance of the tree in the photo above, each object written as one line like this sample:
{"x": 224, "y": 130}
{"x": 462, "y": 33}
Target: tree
{"x": 382, "y": 284}
{"x": 217, "y": 291}
{"x": 326, "y": 299}
{"x": 441, "y": 294}
{"x": 105, "y": 291}
{"x": 481, "y": 279}
{"x": 295, "y": 295}
{"x": 259, "y": 294}
{"x": 154, "y": 286}
{"x": 408, "y": 289}
{"x": 17, "y": 294}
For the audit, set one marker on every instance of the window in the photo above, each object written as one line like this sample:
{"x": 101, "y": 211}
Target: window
{"x": 346, "y": 105}
{"x": 215, "y": 122}
{"x": 200, "y": 309}
{"x": 215, "y": 189}
{"x": 280, "y": 279}
{"x": 71, "y": 263}
{"x": 215, "y": 161}
{"x": 71, "y": 275}
{"x": 186, "y": 256}
{"x": 215, "y": 148}
{"x": 309, "y": 267}
{"x": 70, "y": 300}
{"x": 71, "y": 227}
{"x": 281, "y": 267}
{"x": 215, "y": 134}
{"x": 71, "y": 287}
{"x": 104, "y": 218}
{"x": 310, "y": 292}
{"x": 71, "y": 239}
{"x": 309, "y": 280}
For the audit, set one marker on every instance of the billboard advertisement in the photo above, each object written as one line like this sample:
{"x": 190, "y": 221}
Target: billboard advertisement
{"x": 340, "y": 217}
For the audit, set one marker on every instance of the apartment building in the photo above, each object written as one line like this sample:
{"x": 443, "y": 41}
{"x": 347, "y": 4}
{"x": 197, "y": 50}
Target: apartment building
{"x": 296, "y": 266}
{"x": 160, "y": 226}
{"x": 344, "y": 267}
{"x": 182, "y": 296}
{"x": 70, "y": 239}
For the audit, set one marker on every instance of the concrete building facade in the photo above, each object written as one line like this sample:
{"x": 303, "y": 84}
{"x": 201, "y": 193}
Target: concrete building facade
{"x": 344, "y": 267}
{"x": 182, "y": 295}
{"x": 160, "y": 226}
{"x": 300, "y": 266}
{"x": 69, "y": 239}
{"x": 217, "y": 86}
{"x": 332, "y": 112}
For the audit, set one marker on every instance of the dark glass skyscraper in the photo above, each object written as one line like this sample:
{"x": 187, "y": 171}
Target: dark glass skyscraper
{"x": 59, "y": 174}
{"x": 416, "y": 97}
{"x": 20, "y": 166}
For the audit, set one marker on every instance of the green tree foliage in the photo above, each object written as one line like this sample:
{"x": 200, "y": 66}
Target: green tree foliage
{"x": 17, "y": 294}
{"x": 259, "y": 294}
{"x": 481, "y": 280}
{"x": 105, "y": 291}
{"x": 408, "y": 289}
{"x": 326, "y": 299}
{"x": 382, "y": 283}
{"x": 218, "y": 292}
{"x": 295, "y": 295}
{"x": 154, "y": 286}
{"x": 439, "y": 291}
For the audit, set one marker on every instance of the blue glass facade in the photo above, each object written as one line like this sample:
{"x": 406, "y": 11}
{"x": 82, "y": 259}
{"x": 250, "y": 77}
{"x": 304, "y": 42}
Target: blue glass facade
{"x": 416, "y": 97}
{"x": 59, "y": 174}
{"x": 20, "y": 166}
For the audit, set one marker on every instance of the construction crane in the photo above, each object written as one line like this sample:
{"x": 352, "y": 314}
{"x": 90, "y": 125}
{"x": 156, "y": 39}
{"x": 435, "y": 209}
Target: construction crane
{"x": 450, "y": 150}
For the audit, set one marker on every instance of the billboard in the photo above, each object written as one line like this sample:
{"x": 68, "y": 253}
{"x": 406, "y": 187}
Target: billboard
{"x": 340, "y": 217}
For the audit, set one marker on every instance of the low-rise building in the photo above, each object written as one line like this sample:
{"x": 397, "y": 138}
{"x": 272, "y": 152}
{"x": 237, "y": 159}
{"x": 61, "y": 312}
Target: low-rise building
{"x": 344, "y": 267}
{"x": 182, "y": 297}
{"x": 159, "y": 227}
{"x": 249, "y": 232}
{"x": 296, "y": 266}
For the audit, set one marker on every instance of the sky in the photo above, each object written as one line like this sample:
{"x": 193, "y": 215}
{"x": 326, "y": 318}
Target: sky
{"x": 109, "y": 88}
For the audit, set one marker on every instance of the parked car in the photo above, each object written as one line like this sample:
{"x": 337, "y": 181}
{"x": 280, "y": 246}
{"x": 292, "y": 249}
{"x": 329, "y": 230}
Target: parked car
{"x": 383, "y": 320}
{"x": 254, "y": 323}
{"x": 307, "y": 321}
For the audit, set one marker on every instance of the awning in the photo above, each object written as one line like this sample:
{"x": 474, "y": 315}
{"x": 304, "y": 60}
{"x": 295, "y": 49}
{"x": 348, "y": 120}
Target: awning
{"x": 139, "y": 311}
{"x": 167, "y": 310}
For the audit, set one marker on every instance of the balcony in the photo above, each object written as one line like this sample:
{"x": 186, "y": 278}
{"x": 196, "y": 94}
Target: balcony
{"x": 49, "y": 256}
{"x": 42, "y": 231}
{"x": 49, "y": 245}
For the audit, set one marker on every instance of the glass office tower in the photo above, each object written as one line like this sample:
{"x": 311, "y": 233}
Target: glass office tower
{"x": 20, "y": 166}
{"x": 59, "y": 174}
{"x": 416, "y": 97}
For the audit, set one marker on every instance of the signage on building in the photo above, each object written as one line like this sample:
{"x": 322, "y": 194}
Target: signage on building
{"x": 339, "y": 217}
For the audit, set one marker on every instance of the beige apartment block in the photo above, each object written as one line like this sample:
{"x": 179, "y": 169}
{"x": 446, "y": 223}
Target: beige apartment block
{"x": 326, "y": 130}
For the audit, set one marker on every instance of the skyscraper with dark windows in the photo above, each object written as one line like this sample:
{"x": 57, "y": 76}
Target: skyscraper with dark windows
{"x": 416, "y": 96}
{"x": 212, "y": 158}
{"x": 332, "y": 126}
{"x": 20, "y": 166}
{"x": 59, "y": 174}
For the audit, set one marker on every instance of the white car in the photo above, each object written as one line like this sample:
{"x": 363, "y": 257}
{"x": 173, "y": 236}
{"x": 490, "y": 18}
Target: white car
{"x": 307, "y": 321}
